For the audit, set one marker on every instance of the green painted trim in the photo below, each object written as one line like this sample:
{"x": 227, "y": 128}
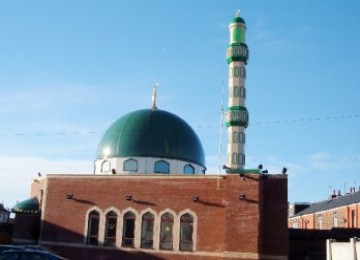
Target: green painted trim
{"x": 230, "y": 57}
{"x": 237, "y": 121}
{"x": 243, "y": 44}
{"x": 29, "y": 206}
{"x": 238, "y": 20}
{"x": 244, "y": 171}
{"x": 237, "y": 108}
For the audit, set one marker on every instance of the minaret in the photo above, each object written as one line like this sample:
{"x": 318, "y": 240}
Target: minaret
{"x": 236, "y": 118}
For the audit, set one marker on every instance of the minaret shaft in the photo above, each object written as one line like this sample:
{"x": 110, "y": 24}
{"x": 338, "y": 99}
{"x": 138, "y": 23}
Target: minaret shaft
{"x": 236, "y": 114}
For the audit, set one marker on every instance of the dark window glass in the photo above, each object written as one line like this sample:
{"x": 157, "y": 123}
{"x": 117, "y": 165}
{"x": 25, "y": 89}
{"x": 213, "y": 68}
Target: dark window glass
{"x": 186, "y": 232}
{"x": 242, "y": 92}
{"x": 242, "y": 137}
{"x": 166, "y": 232}
{"x": 93, "y": 228}
{"x": 235, "y": 137}
{"x": 110, "y": 229}
{"x": 130, "y": 165}
{"x": 128, "y": 230}
{"x": 243, "y": 72}
{"x": 236, "y": 71}
{"x": 236, "y": 91}
{"x": 235, "y": 158}
{"x": 189, "y": 169}
{"x": 162, "y": 167}
{"x": 147, "y": 230}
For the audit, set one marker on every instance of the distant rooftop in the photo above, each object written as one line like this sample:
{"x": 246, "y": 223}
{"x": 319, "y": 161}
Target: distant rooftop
{"x": 335, "y": 201}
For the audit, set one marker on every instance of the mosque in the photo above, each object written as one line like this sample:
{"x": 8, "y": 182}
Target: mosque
{"x": 150, "y": 197}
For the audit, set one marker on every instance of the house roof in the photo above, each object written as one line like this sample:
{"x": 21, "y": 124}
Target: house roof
{"x": 331, "y": 203}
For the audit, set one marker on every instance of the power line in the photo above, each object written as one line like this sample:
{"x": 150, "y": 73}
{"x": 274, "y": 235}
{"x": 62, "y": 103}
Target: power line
{"x": 268, "y": 122}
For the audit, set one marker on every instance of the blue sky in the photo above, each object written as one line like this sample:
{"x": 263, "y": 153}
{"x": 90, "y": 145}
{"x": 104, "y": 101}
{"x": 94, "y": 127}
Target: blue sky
{"x": 68, "y": 69}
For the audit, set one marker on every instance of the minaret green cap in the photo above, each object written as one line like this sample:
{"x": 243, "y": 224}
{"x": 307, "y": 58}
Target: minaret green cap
{"x": 238, "y": 19}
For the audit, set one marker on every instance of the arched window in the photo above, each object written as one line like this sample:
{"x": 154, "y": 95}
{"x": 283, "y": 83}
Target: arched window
{"x": 110, "y": 229}
{"x": 234, "y": 158}
{"x": 130, "y": 165}
{"x": 241, "y": 159}
{"x": 128, "y": 234}
{"x": 93, "y": 228}
{"x": 335, "y": 219}
{"x": 186, "y": 232}
{"x": 236, "y": 91}
{"x": 243, "y": 72}
{"x": 235, "y": 137}
{"x": 236, "y": 72}
{"x": 242, "y": 92}
{"x": 189, "y": 169}
{"x": 162, "y": 167}
{"x": 241, "y": 137}
{"x": 105, "y": 166}
{"x": 166, "y": 231}
{"x": 147, "y": 230}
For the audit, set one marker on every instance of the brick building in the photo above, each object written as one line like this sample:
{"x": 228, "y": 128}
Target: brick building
{"x": 336, "y": 212}
{"x": 4, "y": 214}
{"x": 149, "y": 196}
{"x": 312, "y": 225}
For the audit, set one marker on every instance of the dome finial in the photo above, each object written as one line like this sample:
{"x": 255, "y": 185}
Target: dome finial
{"x": 153, "y": 97}
{"x": 238, "y": 13}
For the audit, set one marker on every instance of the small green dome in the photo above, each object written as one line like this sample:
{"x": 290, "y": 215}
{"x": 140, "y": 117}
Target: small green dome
{"x": 151, "y": 133}
{"x": 238, "y": 20}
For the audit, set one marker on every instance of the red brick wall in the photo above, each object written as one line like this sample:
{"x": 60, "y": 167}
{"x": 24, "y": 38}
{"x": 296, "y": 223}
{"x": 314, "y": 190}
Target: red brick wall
{"x": 274, "y": 204}
{"x": 225, "y": 223}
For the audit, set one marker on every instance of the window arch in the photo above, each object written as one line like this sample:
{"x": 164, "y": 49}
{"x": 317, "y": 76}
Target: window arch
{"x": 241, "y": 158}
{"x": 93, "y": 228}
{"x": 166, "y": 231}
{"x": 147, "y": 230}
{"x": 235, "y": 137}
{"x": 242, "y": 92}
{"x": 189, "y": 169}
{"x": 241, "y": 137}
{"x": 236, "y": 92}
{"x": 105, "y": 166}
{"x": 186, "y": 232}
{"x": 128, "y": 233}
{"x": 238, "y": 158}
{"x": 335, "y": 219}
{"x": 110, "y": 229}
{"x": 234, "y": 158}
{"x": 162, "y": 167}
{"x": 130, "y": 165}
{"x": 243, "y": 72}
{"x": 236, "y": 71}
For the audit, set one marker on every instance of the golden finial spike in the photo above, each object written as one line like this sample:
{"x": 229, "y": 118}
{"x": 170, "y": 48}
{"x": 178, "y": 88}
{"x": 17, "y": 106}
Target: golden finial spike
{"x": 153, "y": 97}
{"x": 238, "y": 13}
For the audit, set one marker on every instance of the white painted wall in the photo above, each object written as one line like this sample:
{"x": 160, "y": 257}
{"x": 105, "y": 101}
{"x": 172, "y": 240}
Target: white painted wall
{"x": 343, "y": 250}
{"x": 146, "y": 165}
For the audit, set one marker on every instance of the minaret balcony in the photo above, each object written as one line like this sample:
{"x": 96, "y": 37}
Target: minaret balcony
{"x": 237, "y": 52}
{"x": 237, "y": 116}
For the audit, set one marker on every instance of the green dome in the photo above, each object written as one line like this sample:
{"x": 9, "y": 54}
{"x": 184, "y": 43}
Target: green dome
{"x": 152, "y": 133}
{"x": 238, "y": 20}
